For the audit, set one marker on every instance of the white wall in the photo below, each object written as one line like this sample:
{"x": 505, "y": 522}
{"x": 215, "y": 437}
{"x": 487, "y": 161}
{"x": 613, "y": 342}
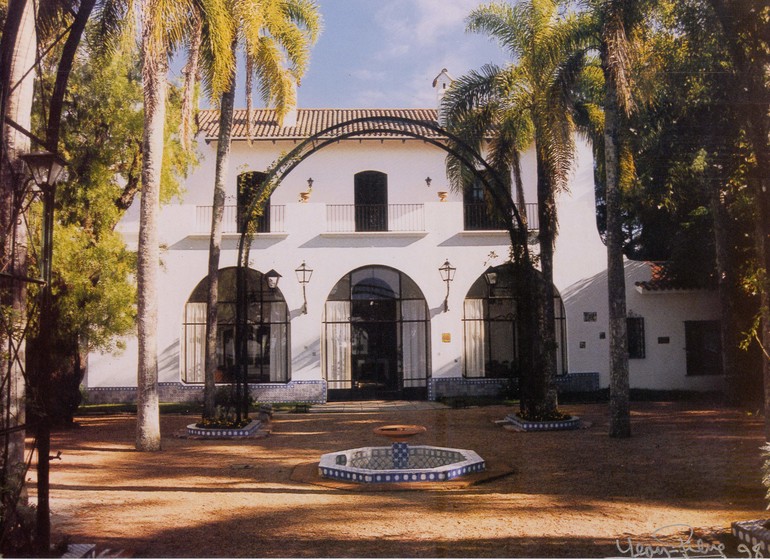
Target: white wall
{"x": 579, "y": 252}
{"x": 664, "y": 313}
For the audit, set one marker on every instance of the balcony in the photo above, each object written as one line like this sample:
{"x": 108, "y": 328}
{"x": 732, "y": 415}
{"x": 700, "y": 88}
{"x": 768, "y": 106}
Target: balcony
{"x": 476, "y": 217}
{"x": 272, "y": 221}
{"x": 350, "y": 218}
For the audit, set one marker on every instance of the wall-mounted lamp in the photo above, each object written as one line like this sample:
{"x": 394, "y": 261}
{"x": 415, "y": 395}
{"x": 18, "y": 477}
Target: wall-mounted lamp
{"x": 305, "y": 196}
{"x": 447, "y": 272}
{"x": 303, "y": 277}
{"x": 428, "y": 181}
{"x": 272, "y": 279}
{"x": 490, "y": 275}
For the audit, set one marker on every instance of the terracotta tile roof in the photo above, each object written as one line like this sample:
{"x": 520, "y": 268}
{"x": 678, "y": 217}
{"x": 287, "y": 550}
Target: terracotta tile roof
{"x": 311, "y": 121}
{"x": 662, "y": 279}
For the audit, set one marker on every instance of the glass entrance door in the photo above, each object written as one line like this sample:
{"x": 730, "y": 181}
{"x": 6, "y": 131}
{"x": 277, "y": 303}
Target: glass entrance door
{"x": 374, "y": 346}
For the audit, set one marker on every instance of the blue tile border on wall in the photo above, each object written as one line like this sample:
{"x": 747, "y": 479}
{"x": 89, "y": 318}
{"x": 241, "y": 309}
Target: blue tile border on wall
{"x": 307, "y": 391}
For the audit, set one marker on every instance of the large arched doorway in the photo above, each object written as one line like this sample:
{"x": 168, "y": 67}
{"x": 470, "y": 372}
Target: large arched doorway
{"x": 267, "y": 330}
{"x": 491, "y": 327}
{"x": 376, "y": 337}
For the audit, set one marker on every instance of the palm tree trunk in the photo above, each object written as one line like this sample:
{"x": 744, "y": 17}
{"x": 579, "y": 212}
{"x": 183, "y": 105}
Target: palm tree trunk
{"x": 540, "y": 401}
{"x": 190, "y": 80}
{"x": 521, "y": 201}
{"x": 620, "y": 412}
{"x": 154, "y": 70}
{"x": 223, "y": 157}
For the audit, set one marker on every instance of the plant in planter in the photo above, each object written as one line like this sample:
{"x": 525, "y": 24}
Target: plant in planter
{"x": 225, "y": 417}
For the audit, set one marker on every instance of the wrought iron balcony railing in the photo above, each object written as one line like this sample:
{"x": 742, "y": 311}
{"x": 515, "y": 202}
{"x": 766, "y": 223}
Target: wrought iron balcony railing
{"x": 341, "y": 218}
{"x": 477, "y": 217}
{"x": 272, "y": 221}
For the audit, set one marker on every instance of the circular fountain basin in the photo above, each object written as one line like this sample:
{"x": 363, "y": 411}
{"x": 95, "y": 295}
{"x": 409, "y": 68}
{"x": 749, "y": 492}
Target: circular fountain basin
{"x": 375, "y": 465}
{"x": 399, "y": 432}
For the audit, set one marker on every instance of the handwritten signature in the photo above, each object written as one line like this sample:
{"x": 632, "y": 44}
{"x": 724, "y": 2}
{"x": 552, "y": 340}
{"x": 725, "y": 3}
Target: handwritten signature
{"x": 683, "y": 546}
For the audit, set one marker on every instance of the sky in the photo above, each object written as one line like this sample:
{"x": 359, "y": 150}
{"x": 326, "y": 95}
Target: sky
{"x": 386, "y": 53}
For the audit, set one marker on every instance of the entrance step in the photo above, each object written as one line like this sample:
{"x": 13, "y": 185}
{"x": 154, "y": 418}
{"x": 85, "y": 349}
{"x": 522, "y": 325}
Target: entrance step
{"x": 376, "y": 406}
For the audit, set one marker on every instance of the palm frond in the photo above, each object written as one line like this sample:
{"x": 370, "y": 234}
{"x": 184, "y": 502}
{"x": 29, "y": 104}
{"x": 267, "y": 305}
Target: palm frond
{"x": 218, "y": 46}
{"x": 503, "y": 23}
{"x": 276, "y": 84}
{"x": 114, "y": 21}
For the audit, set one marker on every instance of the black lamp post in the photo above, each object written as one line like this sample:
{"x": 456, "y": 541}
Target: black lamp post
{"x": 303, "y": 277}
{"x": 46, "y": 168}
{"x": 447, "y": 272}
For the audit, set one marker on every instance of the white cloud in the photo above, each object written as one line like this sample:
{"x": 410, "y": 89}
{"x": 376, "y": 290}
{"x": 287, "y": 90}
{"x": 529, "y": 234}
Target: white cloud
{"x": 369, "y": 75}
{"x": 425, "y": 22}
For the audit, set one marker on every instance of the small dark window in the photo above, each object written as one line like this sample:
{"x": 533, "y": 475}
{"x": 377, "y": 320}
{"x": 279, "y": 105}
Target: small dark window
{"x": 589, "y": 316}
{"x": 635, "y": 328}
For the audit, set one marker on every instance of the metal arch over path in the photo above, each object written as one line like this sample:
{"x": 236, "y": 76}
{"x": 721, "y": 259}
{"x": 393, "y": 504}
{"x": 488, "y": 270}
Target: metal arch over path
{"x": 354, "y": 128}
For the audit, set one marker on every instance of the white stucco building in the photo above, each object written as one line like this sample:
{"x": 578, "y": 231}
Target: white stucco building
{"x": 377, "y": 321}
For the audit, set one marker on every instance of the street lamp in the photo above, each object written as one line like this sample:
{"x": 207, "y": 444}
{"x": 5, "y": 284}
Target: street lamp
{"x": 447, "y": 272}
{"x": 303, "y": 277}
{"x": 46, "y": 169}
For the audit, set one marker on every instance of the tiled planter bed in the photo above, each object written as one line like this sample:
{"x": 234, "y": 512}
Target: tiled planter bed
{"x": 753, "y": 534}
{"x": 571, "y": 423}
{"x": 217, "y": 433}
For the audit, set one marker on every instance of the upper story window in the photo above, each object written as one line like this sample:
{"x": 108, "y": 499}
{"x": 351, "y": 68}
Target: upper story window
{"x": 477, "y": 213}
{"x": 249, "y": 187}
{"x": 371, "y": 201}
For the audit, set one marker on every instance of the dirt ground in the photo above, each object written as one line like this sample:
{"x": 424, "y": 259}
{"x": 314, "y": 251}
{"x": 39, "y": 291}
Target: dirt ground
{"x": 565, "y": 494}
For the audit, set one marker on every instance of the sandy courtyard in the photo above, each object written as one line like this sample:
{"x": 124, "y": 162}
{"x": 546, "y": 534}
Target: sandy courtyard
{"x": 565, "y": 493}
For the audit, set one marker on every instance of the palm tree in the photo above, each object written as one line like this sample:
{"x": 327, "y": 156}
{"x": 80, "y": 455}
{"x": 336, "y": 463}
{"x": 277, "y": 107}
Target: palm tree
{"x": 526, "y": 100}
{"x": 614, "y": 21}
{"x": 163, "y": 25}
{"x": 277, "y": 36}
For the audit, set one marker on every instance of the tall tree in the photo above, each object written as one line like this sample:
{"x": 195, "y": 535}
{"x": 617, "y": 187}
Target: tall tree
{"x": 613, "y": 17}
{"x": 530, "y": 97}
{"x": 746, "y": 32}
{"x": 163, "y": 25}
{"x": 276, "y": 36}
{"x": 101, "y": 133}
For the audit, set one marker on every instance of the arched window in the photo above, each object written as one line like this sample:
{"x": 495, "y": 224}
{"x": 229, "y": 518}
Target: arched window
{"x": 376, "y": 336}
{"x": 371, "y": 201}
{"x": 268, "y": 331}
{"x": 491, "y": 328}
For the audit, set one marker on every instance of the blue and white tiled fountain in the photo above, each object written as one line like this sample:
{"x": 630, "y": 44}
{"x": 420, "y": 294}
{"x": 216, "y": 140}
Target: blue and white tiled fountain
{"x": 400, "y": 462}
